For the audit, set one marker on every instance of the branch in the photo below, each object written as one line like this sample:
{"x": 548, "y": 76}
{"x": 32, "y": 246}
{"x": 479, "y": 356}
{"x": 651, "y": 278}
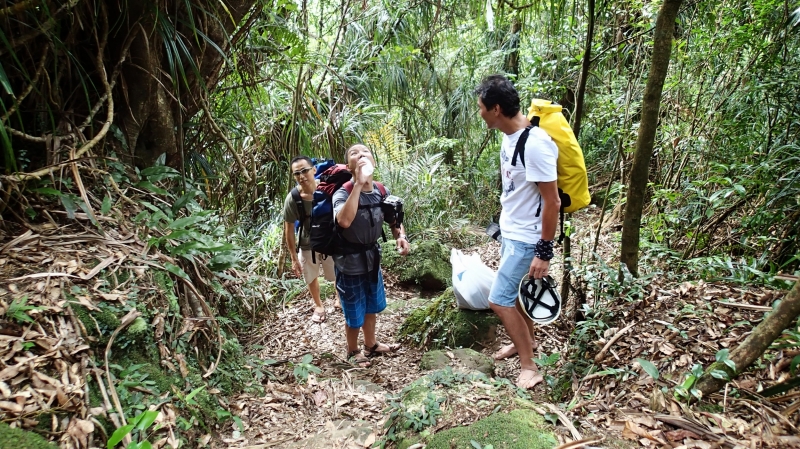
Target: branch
{"x": 29, "y": 88}
{"x": 103, "y": 131}
{"x": 126, "y": 320}
{"x": 228, "y": 143}
{"x": 600, "y": 355}
{"x": 43, "y": 28}
{"x": 755, "y": 344}
{"x": 617, "y": 44}
{"x": 21, "y": 6}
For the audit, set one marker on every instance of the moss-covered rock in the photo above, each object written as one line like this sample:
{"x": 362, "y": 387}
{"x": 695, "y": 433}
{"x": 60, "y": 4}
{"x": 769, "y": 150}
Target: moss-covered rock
{"x": 464, "y": 359}
{"x": 441, "y": 324}
{"x": 18, "y": 438}
{"x": 98, "y": 323}
{"x": 139, "y": 330}
{"x": 428, "y": 266}
{"x": 518, "y": 429}
{"x": 441, "y": 394}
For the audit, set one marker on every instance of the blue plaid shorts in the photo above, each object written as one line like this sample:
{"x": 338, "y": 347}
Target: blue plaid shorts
{"x": 359, "y": 295}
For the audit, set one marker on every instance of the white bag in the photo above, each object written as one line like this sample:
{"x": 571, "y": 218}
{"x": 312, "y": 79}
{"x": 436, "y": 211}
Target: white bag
{"x": 472, "y": 280}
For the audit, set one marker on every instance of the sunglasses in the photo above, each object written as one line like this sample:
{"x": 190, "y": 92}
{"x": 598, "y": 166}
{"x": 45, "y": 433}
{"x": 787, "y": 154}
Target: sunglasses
{"x": 302, "y": 171}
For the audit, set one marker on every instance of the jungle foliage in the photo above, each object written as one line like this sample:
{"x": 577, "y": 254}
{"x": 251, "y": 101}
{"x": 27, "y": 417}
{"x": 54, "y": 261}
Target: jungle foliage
{"x": 229, "y": 91}
{"x": 181, "y": 116}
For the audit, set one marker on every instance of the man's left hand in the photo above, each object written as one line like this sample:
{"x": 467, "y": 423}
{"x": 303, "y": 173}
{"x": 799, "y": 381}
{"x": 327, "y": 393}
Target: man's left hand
{"x": 539, "y": 268}
{"x": 403, "y": 247}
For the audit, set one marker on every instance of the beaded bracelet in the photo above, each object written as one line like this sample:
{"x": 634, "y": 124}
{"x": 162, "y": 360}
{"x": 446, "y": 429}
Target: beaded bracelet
{"x": 544, "y": 249}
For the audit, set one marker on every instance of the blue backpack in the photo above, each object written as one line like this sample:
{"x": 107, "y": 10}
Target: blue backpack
{"x": 324, "y": 233}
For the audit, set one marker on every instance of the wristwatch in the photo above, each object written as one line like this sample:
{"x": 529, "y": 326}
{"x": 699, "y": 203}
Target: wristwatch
{"x": 402, "y": 236}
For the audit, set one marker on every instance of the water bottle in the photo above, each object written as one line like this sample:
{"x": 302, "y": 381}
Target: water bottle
{"x": 367, "y": 169}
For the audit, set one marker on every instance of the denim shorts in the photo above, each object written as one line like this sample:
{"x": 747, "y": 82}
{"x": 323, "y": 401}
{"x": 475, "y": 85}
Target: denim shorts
{"x": 360, "y": 294}
{"x": 515, "y": 263}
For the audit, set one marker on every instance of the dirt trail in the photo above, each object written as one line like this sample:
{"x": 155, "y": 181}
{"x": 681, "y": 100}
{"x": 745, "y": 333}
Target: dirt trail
{"x": 671, "y": 327}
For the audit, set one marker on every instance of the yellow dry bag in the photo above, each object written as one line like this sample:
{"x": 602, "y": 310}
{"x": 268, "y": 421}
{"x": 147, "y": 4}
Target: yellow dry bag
{"x": 573, "y": 185}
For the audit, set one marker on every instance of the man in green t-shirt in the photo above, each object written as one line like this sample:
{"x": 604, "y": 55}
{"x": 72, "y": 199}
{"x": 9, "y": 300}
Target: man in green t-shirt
{"x": 303, "y": 263}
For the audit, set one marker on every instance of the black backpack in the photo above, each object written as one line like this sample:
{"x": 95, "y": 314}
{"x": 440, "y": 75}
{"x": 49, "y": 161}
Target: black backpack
{"x": 324, "y": 233}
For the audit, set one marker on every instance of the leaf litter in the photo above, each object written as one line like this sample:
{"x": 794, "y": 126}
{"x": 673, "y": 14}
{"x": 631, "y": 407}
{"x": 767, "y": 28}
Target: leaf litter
{"x": 671, "y": 328}
{"x": 45, "y": 364}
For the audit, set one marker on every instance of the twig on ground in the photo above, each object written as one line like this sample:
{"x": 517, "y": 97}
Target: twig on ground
{"x": 601, "y": 355}
{"x": 565, "y": 420}
{"x": 126, "y": 320}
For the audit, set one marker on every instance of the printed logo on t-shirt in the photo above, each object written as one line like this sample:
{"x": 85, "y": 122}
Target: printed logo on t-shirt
{"x": 508, "y": 183}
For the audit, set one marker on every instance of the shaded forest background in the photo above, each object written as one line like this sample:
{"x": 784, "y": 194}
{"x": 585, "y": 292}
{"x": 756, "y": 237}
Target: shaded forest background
{"x": 227, "y": 92}
{"x": 181, "y": 117}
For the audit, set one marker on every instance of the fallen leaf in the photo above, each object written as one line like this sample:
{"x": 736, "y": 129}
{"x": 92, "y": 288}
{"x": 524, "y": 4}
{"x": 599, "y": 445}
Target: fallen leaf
{"x": 681, "y": 434}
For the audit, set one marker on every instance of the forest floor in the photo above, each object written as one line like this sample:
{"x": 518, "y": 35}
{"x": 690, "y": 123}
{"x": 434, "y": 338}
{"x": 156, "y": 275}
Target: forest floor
{"x": 650, "y": 335}
{"x": 670, "y": 328}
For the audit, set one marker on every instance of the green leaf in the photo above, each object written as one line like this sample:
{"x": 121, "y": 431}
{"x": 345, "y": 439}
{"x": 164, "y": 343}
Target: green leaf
{"x": 722, "y": 354}
{"x": 118, "y": 435}
{"x": 106, "y": 207}
{"x": 183, "y": 201}
{"x": 4, "y": 81}
{"x": 648, "y": 367}
{"x": 146, "y": 419}
{"x": 239, "y": 424}
{"x": 47, "y": 191}
{"x": 147, "y": 185}
{"x": 475, "y": 444}
{"x": 176, "y": 270}
{"x": 194, "y": 392}
{"x": 793, "y": 365}
{"x": 159, "y": 172}
{"x": 719, "y": 374}
{"x": 222, "y": 262}
{"x": 145, "y": 445}
{"x": 69, "y": 206}
{"x": 185, "y": 222}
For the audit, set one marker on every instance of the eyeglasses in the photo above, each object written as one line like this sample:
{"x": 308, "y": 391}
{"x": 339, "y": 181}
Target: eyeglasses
{"x": 302, "y": 171}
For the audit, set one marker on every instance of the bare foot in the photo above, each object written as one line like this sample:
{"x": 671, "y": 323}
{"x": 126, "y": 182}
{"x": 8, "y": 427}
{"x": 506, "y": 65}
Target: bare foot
{"x": 528, "y": 379}
{"x": 505, "y": 352}
{"x": 511, "y": 350}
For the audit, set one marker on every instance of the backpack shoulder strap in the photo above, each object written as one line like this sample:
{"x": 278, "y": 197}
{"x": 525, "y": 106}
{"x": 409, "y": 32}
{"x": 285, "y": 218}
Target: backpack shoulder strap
{"x": 301, "y": 208}
{"x": 381, "y": 187}
{"x": 519, "y": 150}
{"x": 348, "y": 186}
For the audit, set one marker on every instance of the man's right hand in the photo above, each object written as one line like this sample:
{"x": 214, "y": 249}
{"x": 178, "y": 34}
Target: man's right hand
{"x": 359, "y": 175}
{"x": 297, "y": 268}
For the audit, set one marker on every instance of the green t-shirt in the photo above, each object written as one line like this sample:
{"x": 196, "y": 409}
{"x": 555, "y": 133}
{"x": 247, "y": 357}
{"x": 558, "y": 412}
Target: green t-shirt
{"x": 291, "y": 215}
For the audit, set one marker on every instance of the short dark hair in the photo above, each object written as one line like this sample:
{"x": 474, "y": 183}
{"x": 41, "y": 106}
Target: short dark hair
{"x": 301, "y": 158}
{"x": 498, "y": 90}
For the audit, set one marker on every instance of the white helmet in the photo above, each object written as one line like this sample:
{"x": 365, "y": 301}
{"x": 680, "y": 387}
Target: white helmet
{"x": 540, "y": 299}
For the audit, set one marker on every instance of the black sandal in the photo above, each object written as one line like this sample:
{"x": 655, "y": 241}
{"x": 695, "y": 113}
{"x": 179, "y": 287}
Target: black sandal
{"x": 356, "y": 358}
{"x": 373, "y": 351}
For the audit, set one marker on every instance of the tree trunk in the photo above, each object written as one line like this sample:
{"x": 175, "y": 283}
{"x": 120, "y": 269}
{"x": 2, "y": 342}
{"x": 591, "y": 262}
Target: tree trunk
{"x": 158, "y": 59}
{"x": 512, "y": 61}
{"x": 756, "y": 343}
{"x": 587, "y": 60}
{"x": 576, "y": 129}
{"x": 662, "y": 47}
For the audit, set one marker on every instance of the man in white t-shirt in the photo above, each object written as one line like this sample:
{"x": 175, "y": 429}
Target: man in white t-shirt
{"x": 529, "y": 216}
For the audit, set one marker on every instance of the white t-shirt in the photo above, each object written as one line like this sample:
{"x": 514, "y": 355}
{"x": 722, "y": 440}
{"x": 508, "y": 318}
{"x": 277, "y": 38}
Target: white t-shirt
{"x": 521, "y": 201}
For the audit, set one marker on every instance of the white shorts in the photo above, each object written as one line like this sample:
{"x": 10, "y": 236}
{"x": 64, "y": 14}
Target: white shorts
{"x": 311, "y": 269}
